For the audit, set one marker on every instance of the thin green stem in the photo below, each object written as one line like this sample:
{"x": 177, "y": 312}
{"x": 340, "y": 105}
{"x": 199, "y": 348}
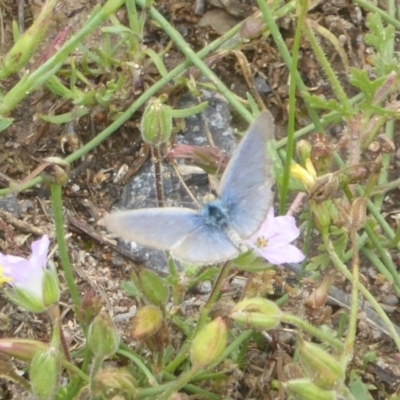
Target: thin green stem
{"x": 383, "y": 255}
{"x": 351, "y": 335}
{"x": 31, "y": 81}
{"x": 136, "y": 360}
{"x": 389, "y": 128}
{"x": 184, "y": 350}
{"x": 127, "y": 114}
{"x": 284, "y": 52}
{"x": 326, "y": 66}
{"x": 369, "y": 6}
{"x": 196, "y": 60}
{"x": 56, "y": 197}
{"x": 312, "y": 330}
{"x": 284, "y": 188}
{"x": 179, "y": 383}
{"x": 194, "y": 389}
{"x": 381, "y": 268}
{"x": 342, "y": 268}
{"x": 213, "y": 296}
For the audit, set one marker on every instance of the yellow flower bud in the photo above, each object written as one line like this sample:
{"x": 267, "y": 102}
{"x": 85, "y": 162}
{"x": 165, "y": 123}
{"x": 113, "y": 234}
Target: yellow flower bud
{"x": 209, "y": 344}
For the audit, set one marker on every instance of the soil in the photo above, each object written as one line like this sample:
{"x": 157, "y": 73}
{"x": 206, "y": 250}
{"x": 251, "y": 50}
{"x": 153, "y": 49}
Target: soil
{"x": 97, "y": 179}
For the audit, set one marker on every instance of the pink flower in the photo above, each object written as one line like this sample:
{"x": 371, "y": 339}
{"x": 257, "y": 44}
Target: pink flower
{"x": 27, "y": 276}
{"x": 272, "y": 241}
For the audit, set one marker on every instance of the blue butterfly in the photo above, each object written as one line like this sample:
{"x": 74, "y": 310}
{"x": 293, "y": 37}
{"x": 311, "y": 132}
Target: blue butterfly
{"x": 216, "y": 233}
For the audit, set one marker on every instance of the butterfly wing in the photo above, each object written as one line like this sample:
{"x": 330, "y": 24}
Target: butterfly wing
{"x": 183, "y": 231}
{"x": 207, "y": 244}
{"x": 160, "y": 228}
{"x": 246, "y": 185}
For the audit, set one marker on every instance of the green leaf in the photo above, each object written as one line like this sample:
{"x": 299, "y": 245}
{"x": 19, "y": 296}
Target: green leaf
{"x": 154, "y": 287}
{"x": 358, "y": 388}
{"x": 131, "y": 289}
{"x": 65, "y": 118}
{"x": 318, "y": 263}
{"x": 359, "y": 78}
{"x": 332, "y": 105}
{"x": 5, "y": 123}
{"x": 379, "y": 37}
{"x": 382, "y": 39}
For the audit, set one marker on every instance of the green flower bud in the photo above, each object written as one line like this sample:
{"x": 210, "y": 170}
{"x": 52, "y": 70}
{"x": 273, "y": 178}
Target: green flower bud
{"x": 103, "y": 337}
{"x": 303, "y": 150}
{"x": 321, "y": 215}
{"x": 44, "y": 374}
{"x": 22, "y": 349}
{"x": 209, "y": 344}
{"x": 51, "y": 288}
{"x": 156, "y": 126}
{"x": 304, "y": 389}
{"x": 115, "y": 383}
{"x": 257, "y": 313}
{"x": 146, "y": 322}
{"x": 323, "y": 369}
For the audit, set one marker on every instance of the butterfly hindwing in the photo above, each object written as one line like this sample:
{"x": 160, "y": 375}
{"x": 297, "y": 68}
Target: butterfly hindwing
{"x": 207, "y": 244}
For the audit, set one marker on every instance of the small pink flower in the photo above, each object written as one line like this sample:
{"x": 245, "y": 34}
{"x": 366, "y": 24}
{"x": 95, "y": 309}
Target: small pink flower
{"x": 27, "y": 274}
{"x": 26, "y": 277}
{"x": 272, "y": 241}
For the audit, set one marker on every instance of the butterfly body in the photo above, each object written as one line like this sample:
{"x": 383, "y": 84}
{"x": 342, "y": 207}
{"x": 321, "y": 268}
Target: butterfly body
{"x": 217, "y": 232}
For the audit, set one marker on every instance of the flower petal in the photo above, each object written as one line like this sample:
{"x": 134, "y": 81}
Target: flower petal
{"x": 281, "y": 255}
{"x": 40, "y": 249}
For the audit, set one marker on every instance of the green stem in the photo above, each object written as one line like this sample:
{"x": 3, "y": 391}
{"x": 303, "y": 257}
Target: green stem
{"x": 305, "y": 326}
{"x": 127, "y": 114}
{"x": 383, "y": 255}
{"x": 97, "y": 362}
{"x": 184, "y": 350}
{"x": 389, "y": 128}
{"x": 182, "y": 380}
{"x": 351, "y": 335}
{"x": 369, "y": 6}
{"x": 284, "y": 187}
{"x": 284, "y": 52}
{"x": 196, "y": 60}
{"x": 202, "y": 393}
{"x": 56, "y": 197}
{"x": 140, "y": 364}
{"x": 30, "y": 81}
{"x": 342, "y": 268}
{"x": 213, "y": 296}
{"x": 326, "y": 66}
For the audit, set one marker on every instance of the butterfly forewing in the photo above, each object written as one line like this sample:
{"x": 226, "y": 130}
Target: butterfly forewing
{"x": 247, "y": 182}
{"x": 160, "y": 228}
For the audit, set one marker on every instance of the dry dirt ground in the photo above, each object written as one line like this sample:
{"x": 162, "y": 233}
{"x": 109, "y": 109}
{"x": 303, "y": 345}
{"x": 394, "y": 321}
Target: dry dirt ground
{"x": 92, "y": 191}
